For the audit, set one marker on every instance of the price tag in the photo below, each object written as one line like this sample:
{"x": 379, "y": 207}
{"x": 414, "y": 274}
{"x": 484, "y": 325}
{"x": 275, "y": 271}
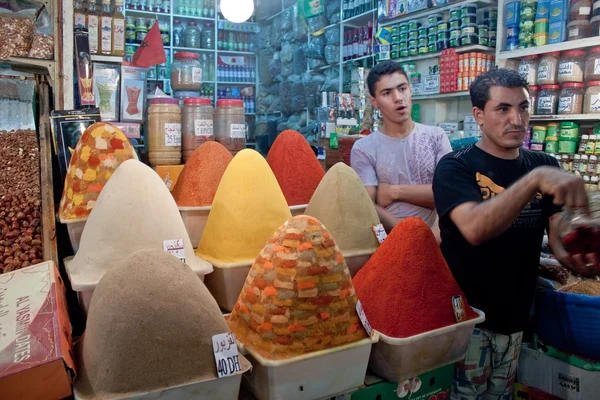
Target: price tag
{"x": 203, "y": 127}
{"x": 363, "y": 318}
{"x": 175, "y": 247}
{"x": 226, "y": 354}
{"x": 196, "y": 75}
{"x": 379, "y": 232}
{"x": 172, "y": 135}
{"x": 238, "y": 131}
{"x": 459, "y": 308}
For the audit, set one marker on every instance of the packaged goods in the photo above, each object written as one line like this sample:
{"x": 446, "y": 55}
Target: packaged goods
{"x": 295, "y": 166}
{"x": 17, "y": 33}
{"x": 548, "y": 69}
{"x": 100, "y": 151}
{"x": 534, "y": 93}
{"x": 592, "y": 65}
{"x": 528, "y": 69}
{"x": 579, "y": 29}
{"x": 548, "y": 100}
{"x": 570, "y": 100}
{"x": 408, "y": 262}
{"x": 591, "y": 102}
{"x": 571, "y": 66}
{"x": 580, "y": 10}
{"x": 298, "y": 297}
{"x": 586, "y": 287}
{"x": 198, "y": 182}
{"x": 558, "y": 32}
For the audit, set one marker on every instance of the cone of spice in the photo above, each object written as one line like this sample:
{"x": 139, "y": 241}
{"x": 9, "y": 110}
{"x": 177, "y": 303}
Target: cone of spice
{"x": 295, "y": 166}
{"x": 343, "y": 205}
{"x": 199, "y": 180}
{"x": 248, "y": 207}
{"x": 406, "y": 287}
{"x": 99, "y": 152}
{"x": 135, "y": 211}
{"x": 298, "y": 296}
{"x": 585, "y": 287}
{"x": 149, "y": 327}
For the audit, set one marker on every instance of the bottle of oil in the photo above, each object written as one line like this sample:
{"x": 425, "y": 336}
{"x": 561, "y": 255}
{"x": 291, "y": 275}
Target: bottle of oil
{"x": 105, "y": 44}
{"x": 92, "y": 24}
{"x": 118, "y": 30}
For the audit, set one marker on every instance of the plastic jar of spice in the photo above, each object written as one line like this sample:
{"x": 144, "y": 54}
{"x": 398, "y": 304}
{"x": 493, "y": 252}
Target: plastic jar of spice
{"x": 230, "y": 125}
{"x": 567, "y": 146}
{"x": 592, "y": 165}
{"x": 571, "y": 66}
{"x": 576, "y": 162}
{"x": 586, "y": 182}
{"x": 553, "y": 129}
{"x": 551, "y": 146}
{"x": 548, "y": 100}
{"x": 579, "y": 29}
{"x": 583, "y": 143}
{"x": 593, "y": 183}
{"x": 164, "y": 131}
{"x": 534, "y": 93}
{"x": 539, "y": 134}
{"x": 197, "y": 124}
{"x": 528, "y": 69}
{"x": 569, "y": 131}
{"x": 592, "y": 65}
{"x": 583, "y": 165}
{"x": 590, "y": 146}
{"x": 591, "y": 101}
{"x": 548, "y": 69}
{"x": 570, "y": 100}
{"x": 186, "y": 72}
{"x": 580, "y": 10}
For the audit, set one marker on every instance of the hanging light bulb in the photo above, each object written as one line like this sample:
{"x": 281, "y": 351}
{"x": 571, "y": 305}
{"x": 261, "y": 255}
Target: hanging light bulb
{"x": 237, "y": 10}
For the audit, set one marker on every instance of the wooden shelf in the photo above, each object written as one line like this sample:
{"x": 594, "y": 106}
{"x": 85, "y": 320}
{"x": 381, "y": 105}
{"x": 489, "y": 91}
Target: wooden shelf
{"x": 571, "y": 117}
{"x": 570, "y": 45}
{"x": 441, "y": 96}
{"x": 32, "y": 65}
{"x": 435, "y": 10}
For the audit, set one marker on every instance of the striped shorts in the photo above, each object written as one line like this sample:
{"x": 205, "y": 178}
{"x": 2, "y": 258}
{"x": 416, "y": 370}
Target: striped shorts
{"x": 489, "y": 369}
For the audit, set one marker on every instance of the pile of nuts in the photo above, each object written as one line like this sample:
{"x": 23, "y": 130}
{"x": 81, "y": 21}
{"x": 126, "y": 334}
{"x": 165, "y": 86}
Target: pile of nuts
{"x": 20, "y": 201}
{"x": 17, "y": 35}
{"x": 42, "y": 47}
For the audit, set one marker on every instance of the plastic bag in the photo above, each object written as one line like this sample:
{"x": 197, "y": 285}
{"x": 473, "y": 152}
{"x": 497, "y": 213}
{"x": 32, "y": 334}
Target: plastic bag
{"x": 332, "y": 54}
{"x": 285, "y": 94}
{"x": 313, "y": 12}
{"x": 299, "y": 61}
{"x": 315, "y": 47}
{"x": 298, "y": 27}
{"x": 276, "y": 33}
{"x": 316, "y": 63}
{"x": 332, "y": 35}
{"x": 264, "y": 37}
{"x": 286, "y": 19}
{"x": 275, "y": 65}
{"x": 17, "y": 30}
{"x": 287, "y": 70}
{"x": 298, "y": 97}
{"x": 287, "y": 53}
{"x": 332, "y": 80}
{"x": 42, "y": 45}
{"x": 332, "y": 8}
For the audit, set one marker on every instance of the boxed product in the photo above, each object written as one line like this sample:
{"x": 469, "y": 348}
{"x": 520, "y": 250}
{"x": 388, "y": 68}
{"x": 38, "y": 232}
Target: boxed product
{"x": 556, "y": 377}
{"x": 35, "y": 335}
{"x": 169, "y": 174}
{"x": 559, "y": 10}
{"x": 558, "y": 32}
{"x": 543, "y": 9}
{"x": 130, "y": 129}
{"x": 522, "y": 392}
{"x": 450, "y": 126}
{"x": 512, "y": 13}
{"x": 416, "y": 5}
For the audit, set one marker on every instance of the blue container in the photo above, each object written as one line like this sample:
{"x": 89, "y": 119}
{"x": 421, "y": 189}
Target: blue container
{"x": 512, "y": 13}
{"x": 512, "y": 31}
{"x": 543, "y": 9}
{"x": 569, "y": 322}
{"x": 512, "y": 44}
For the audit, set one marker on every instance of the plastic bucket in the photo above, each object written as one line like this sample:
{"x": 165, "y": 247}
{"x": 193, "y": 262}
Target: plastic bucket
{"x": 75, "y": 229}
{"x": 226, "y": 281}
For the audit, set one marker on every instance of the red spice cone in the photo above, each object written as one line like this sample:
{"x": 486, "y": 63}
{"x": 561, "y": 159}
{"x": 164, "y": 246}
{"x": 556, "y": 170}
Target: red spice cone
{"x": 151, "y": 52}
{"x": 406, "y": 288}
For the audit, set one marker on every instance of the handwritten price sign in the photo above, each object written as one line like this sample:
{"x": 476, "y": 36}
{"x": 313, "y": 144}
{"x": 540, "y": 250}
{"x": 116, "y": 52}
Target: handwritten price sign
{"x": 172, "y": 135}
{"x": 175, "y": 247}
{"x": 226, "y": 354}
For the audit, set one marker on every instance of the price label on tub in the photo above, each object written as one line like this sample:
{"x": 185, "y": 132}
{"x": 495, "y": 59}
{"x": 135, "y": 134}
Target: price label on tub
{"x": 172, "y": 135}
{"x": 379, "y": 232}
{"x": 363, "y": 318}
{"x": 459, "y": 308}
{"x": 203, "y": 127}
{"x": 175, "y": 247}
{"x": 196, "y": 75}
{"x": 238, "y": 131}
{"x": 226, "y": 354}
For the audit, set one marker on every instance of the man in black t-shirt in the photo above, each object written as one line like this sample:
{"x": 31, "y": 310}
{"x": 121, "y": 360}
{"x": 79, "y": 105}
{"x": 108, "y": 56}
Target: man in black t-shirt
{"x": 494, "y": 201}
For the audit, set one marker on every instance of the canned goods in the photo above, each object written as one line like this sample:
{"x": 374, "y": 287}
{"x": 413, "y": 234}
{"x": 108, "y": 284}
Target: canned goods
{"x": 512, "y": 32}
{"x": 455, "y": 33}
{"x": 412, "y": 43}
{"x": 442, "y": 44}
{"x": 432, "y": 47}
{"x": 472, "y": 62}
{"x": 467, "y": 39}
{"x": 433, "y": 19}
{"x": 413, "y": 25}
{"x": 443, "y": 35}
{"x": 454, "y": 24}
{"x": 459, "y": 83}
{"x": 432, "y": 38}
{"x": 480, "y": 62}
{"x": 482, "y": 30}
{"x": 395, "y": 47}
{"x": 468, "y": 19}
{"x": 403, "y": 45}
{"x": 541, "y": 25}
{"x": 484, "y": 41}
{"x": 433, "y": 30}
{"x": 422, "y": 31}
{"x": 466, "y": 10}
{"x": 454, "y": 42}
{"x": 404, "y": 53}
{"x": 422, "y": 42}
{"x": 403, "y": 37}
{"x": 469, "y": 29}
{"x": 491, "y": 23}
{"x": 455, "y": 12}
{"x": 442, "y": 26}
{"x": 395, "y": 30}
{"x": 413, "y": 51}
{"x": 395, "y": 39}
{"x": 490, "y": 14}
{"x": 413, "y": 35}
{"x": 403, "y": 27}
{"x": 394, "y": 54}
{"x": 423, "y": 50}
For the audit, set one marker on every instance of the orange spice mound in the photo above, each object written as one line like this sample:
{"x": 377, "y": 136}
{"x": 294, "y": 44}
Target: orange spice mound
{"x": 295, "y": 166}
{"x": 201, "y": 175}
{"x": 298, "y": 296}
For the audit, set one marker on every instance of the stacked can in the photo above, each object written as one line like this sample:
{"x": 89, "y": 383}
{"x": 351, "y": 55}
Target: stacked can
{"x": 468, "y": 25}
{"x": 432, "y": 31}
{"x": 413, "y": 37}
{"x": 488, "y": 29}
{"x": 470, "y": 65}
{"x": 443, "y": 29}
{"x": 512, "y": 16}
{"x": 541, "y": 24}
{"x": 527, "y": 16}
{"x": 422, "y": 45}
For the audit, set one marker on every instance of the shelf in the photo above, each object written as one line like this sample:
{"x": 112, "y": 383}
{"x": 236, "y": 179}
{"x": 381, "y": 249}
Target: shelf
{"x": 193, "y": 17}
{"x": 438, "y": 96}
{"x": 109, "y": 59}
{"x": 359, "y": 59}
{"x": 237, "y": 83}
{"x": 463, "y": 49}
{"x": 572, "y": 117}
{"x": 147, "y": 13}
{"x": 242, "y": 53}
{"x": 428, "y": 11}
{"x": 322, "y": 68}
{"x": 33, "y": 63}
{"x": 193, "y": 50}
{"x": 361, "y": 19}
{"x": 571, "y": 45}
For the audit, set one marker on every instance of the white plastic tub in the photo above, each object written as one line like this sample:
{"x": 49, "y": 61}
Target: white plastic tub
{"x": 396, "y": 360}
{"x": 75, "y": 229}
{"x": 226, "y": 281}
{"x": 317, "y": 375}
{"x": 227, "y": 388}
{"x": 194, "y": 219}
{"x": 298, "y": 210}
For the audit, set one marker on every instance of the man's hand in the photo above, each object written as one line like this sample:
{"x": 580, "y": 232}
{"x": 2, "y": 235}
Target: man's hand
{"x": 584, "y": 265}
{"x": 386, "y": 194}
{"x": 566, "y": 189}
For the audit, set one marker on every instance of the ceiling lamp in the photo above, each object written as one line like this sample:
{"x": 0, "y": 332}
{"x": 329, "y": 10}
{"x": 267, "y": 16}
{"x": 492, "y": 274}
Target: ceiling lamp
{"x": 237, "y": 10}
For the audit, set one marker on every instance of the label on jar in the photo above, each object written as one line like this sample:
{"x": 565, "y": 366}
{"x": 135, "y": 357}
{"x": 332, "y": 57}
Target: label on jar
{"x": 203, "y": 127}
{"x": 597, "y": 66}
{"x": 543, "y": 73}
{"x": 545, "y": 103}
{"x": 585, "y": 10}
{"x": 565, "y": 69}
{"x": 79, "y": 20}
{"x": 524, "y": 69}
{"x": 119, "y": 34}
{"x": 196, "y": 75}
{"x": 172, "y": 135}
{"x": 93, "y": 33}
{"x": 106, "y": 32}
{"x": 595, "y": 103}
{"x": 565, "y": 105}
{"x": 574, "y": 32}
{"x": 238, "y": 131}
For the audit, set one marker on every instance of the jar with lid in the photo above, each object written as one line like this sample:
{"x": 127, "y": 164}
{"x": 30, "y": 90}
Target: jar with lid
{"x": 534, "y": 94}
{"x": 583, "y": 165}
{"x": 528, "y": 68}
{"x": 576, "y": 162}
{"x": 164, "y": 131}
{"x": 579, "y": 29}
{"x": 191, "y": 35}
{"x": 583, "y": 144}
{"x": 553, "y": 129}
{"x": 197, "y": 124}
{"x": 580, "y": 10}
{"x": 230, "y": 125}
{"x": 592, "y": 165}
{"x": 590, "y": 146}
{"x": 186, "y": 72}
{"x": 207, "y": 37}
{"x": 551, "y": 146}
{"x": 594, "y": 185}
{"x": 548, "y": 69}
{"x": 586, "y": 182}
{"x": 548, "y": 100}
{"x": 580, "y": 229}
{"x": 571, "y": 66}
{"x": 591, "y": 100}
{"x": 570, "y": 100}
{"x": 592, "y": 65}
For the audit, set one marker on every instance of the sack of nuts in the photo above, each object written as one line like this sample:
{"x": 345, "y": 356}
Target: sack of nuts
{"x": 17, "y": 35}
{"x": 42, "y": 46}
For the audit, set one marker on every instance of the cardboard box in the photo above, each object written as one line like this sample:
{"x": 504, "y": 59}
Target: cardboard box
{"x": 512, "y": 13}
{"x": 543, "y": 10}
{"x": 559, "y": 10}
{"x": 522, "y": 392}
{"x": 558, "y": 32}
{"x": 35, "y": 335}
{"x": 130, "y": 129}
{"x": 556, "y": 377}
{"x": 435, "y": 385}
{"x": 169, "y": 174}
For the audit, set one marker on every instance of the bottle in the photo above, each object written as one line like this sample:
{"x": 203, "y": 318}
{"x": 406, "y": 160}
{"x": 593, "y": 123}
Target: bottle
{"x": 177, "y": 33}
{"x": 118, "y": 30}
{"x": 105, "y": 38}
{"x": 366, "y": 48}
{"x": 91, "y": 19}
{"x": 355, "y": 44}
{"x": 252, "y": 74}
{"x": 370, "y": 37}
{"x": 78, "y": 15}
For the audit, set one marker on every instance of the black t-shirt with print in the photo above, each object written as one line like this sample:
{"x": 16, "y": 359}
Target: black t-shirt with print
{"x": 498, "y": 276}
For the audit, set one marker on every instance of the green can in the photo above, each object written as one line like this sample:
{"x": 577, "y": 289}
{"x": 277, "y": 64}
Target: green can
{"x": 483, "y": 30}
{"x": 432, "y": 47}
{"x": 413, "y": 25}
{"x": 423, "y": 50}
{"x": 597, "y": 128}
{"x": 455, "y": 12}
{"x": 433, "y": 19}
{"x": 395, "y": 29}
{"x": 413, "y": 51}
{"x": 403, "y": 46}
{"x": 492, "y": 23}
{"x": 432, "y": 30}
{"x": 395, "y": 39}
{"x": 442, "y": 26}
{"x": 395, "y": 47}
{"x": 442, "y": 35}
{"x": 403, "y": 28}
{"x": 569, "y": 131}
{"x": 484, "y": 41}
{"x": 455, "y": 33}
{"x": 432, "y": 38}
{"x": 539, "y": 134}
{"x": 567, "y": 146}
{"x": 541, "y": 25}
{"x": 422, "y": 31}
{"x": 413, "y": 43}
{"x": 551, "y": 145}
{"x": 394, "y": 55}
{"x": 553, "y": 130}
{"x": 413, "y": 35}
{"x": 422, "y": 42}
{"x": 454, "y": 23}
{"x": 403, "y": 37}
{"x": 404, "y": 53}
{"x": 454, "y": 42}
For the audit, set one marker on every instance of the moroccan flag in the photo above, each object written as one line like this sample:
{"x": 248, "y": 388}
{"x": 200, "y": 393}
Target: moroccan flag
{"x": 151, "y": 51}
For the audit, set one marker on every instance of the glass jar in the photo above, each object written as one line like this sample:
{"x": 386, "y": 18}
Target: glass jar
{"x": 571, "y": 66}
{"x": 548, "y": 69}
{"x": 130, "y": 33}
{"x": 178, "y": 40}
{"x": 570, "y": 100}
{"x": 528, "y": 69}
{"x": 191, "y": 35}
{"x": 586, "y": 182}
{"x": 593, "y": 184}
{"x": 590, "y": 146}
{"x": 197, "y": 124}
{"x": 186, "y": 72}
{"x": 207, "y": 37}
{"x": 583, "y": 165}
{"x": 583, "y": 144}
{"x": 580, "y": 10}
{"x": 579, "y": 29}
{"x": 576, "y": 162}
{"x": 548, "y": 100}
{"x": 140, "y": 34}
{"x": 591, "y": 100}
{"x": 164, "y": 131}
{"x": 230, "y": 125}
{"x": 534, "y": 94}
{"x": 592, "y": 165}
{"x": 592, "y": 65}
{"x": 580, "y": 230}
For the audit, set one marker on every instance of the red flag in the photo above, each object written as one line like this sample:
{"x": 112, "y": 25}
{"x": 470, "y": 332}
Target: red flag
{"x": 151, "y": 51}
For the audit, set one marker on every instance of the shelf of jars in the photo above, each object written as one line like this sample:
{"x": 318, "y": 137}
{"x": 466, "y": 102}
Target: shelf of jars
{"x": 420, "y": 14}
{"x": 549, "y": 48}
{"x": 441, "y": 96}
{"x": 566, "y": 117}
